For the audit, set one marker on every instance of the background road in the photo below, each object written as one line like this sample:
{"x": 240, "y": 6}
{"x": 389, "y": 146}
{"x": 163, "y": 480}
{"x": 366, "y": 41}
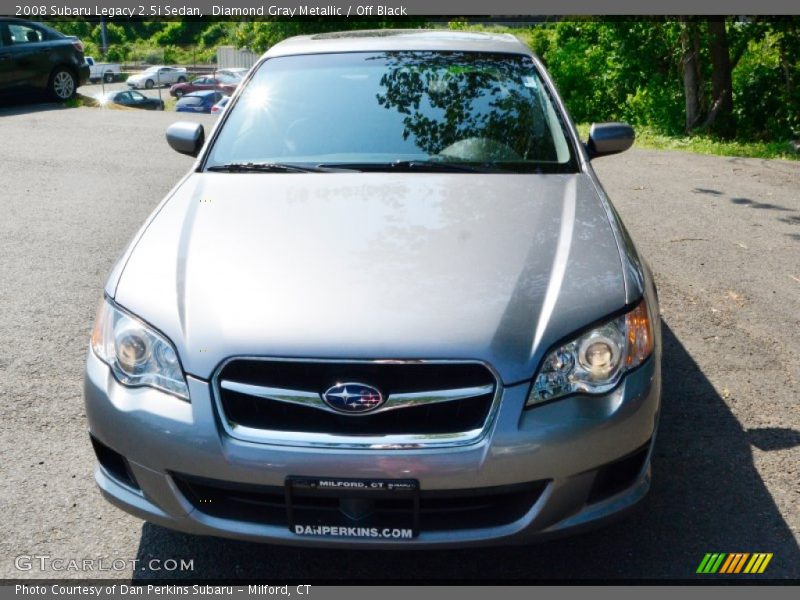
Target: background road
{"x": 722, "y": 236}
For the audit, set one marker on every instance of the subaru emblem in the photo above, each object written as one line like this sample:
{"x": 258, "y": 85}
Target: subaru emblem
{"x": 352, "y": 398}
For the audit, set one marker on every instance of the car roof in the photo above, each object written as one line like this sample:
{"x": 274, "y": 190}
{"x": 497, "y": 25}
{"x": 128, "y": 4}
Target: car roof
{"x": 398, "y": 40}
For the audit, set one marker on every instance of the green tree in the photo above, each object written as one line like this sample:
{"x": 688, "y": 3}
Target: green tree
{"x": 259, "y": 36}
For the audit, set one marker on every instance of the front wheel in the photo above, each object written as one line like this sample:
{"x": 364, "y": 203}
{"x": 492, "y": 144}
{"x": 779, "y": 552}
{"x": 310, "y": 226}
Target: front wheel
{"x": 178, "y": 93}
{"x": 149, "y": 84}
{"x": 62, "y": 85}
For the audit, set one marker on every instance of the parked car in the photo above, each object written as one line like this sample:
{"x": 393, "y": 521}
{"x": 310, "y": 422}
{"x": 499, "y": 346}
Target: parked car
{"x": 226, "y": 84}
{"x": 157, "y": 76}
{"x": 37, "y": 58}
{"x": 220, "y": 106}
{"x": 389, "y": 305}
{"x": 132, "y": 99}
{"x": 107, "y": 72}
{"x": 198, "y": 102}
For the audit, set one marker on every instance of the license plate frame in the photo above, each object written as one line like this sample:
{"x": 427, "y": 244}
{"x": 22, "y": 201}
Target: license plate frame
{"x": 353, "y": 488}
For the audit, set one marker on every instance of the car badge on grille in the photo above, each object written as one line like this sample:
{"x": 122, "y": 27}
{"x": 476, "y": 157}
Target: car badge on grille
{"x": 352, "y": 398}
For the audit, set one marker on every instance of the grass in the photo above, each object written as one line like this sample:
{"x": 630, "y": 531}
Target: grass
{"x": 701, "y": 144}
{"x": 79, "y": 100}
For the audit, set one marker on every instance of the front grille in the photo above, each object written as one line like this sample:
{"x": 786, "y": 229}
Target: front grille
{"x": 259, "y": 413}
{"x": 440, "y": 510}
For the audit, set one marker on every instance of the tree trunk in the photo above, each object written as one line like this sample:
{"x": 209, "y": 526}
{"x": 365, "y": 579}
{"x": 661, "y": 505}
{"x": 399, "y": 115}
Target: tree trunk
{"x": 787, "y": 61}
{"x": 692, "y": 80}
{"x": 721, "y": 120}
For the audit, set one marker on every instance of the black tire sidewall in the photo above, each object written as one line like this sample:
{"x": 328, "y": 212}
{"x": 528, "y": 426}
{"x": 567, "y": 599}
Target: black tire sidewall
{"x": 149, "y": 84}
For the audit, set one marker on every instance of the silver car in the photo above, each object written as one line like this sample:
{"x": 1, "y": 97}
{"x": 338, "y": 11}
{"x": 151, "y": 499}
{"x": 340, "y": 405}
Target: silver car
{"x": 157, "y": 76}
{"x": 389, "y": 306}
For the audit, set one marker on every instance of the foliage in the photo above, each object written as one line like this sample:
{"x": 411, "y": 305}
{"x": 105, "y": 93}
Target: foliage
{"x": 261, "y": 35}
{"x": 631, "y": 70}
{"x": 194, "y": 41}
{"x": 151, "y": 42}
{"x": 605, "y": 69}
{"x": 767, "y": 85}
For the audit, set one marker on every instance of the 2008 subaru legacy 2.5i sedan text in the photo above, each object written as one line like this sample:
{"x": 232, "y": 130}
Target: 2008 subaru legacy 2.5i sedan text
{"x": 389, "y": 306}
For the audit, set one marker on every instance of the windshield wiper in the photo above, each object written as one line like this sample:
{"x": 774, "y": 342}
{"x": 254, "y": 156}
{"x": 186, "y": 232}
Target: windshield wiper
{"x": 413, "y": 165}
{"x": 273, "y": 167}
{"x": 436, "y": 165}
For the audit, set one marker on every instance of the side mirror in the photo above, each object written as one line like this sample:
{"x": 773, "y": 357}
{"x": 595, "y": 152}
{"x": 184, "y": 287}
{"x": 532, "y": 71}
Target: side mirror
{"x": 609, "y": 138}
{"x": 186, "y": 138}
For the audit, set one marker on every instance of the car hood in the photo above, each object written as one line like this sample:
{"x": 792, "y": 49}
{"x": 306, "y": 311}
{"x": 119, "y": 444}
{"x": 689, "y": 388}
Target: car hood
{"x": 374, "y": 265}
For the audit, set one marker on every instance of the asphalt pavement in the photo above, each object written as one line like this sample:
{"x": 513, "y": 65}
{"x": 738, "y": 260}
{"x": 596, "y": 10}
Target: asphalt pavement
{"x": 722, "y": 236}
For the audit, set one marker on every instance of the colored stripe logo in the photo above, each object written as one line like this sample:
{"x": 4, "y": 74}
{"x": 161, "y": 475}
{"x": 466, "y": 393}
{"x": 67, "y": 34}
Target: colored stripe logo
{"x": 733, "y": 563}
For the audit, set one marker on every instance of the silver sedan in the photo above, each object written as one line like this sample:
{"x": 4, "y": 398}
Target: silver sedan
{"x": 389, "y": 306}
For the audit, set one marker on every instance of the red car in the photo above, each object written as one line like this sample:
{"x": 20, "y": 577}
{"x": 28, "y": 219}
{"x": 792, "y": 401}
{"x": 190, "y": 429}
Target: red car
{"x": 223, "y": 83}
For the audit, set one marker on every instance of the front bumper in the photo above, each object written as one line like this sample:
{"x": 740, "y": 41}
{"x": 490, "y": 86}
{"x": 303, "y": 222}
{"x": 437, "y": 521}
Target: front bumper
{"x": 565, "y": 443}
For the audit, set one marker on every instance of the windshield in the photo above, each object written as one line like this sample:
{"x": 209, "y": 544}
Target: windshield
{"x": 370, "y": 109}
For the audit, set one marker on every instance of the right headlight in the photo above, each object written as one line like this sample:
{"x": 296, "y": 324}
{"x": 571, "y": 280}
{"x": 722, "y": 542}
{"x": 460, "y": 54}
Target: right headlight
{"x": 137, "y": 354}
{"x": 594, "y": 362}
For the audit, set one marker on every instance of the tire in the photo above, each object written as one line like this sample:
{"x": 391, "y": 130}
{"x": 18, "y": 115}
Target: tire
{"x": 62, "y": 85}
{"x": 149, "y": 84}
{"x": 109, "y": 77}
{"x": 181, "y": 79}
{"x": 178, "y": 93}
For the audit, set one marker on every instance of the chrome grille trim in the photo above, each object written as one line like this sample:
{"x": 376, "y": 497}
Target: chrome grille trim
{"x": 393, "y": 402}
{"x": 309, "y": 399}
{"x": 366, "y": 442}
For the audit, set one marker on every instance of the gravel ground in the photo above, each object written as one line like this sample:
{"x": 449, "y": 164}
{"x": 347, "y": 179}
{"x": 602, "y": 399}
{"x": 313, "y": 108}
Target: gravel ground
{"x": 722, "y": 236}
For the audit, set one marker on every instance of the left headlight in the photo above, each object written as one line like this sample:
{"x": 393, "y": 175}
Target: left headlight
{"x": 594, "y": 362}
{"x": 136, "y": 353}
